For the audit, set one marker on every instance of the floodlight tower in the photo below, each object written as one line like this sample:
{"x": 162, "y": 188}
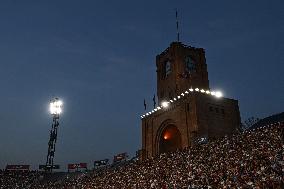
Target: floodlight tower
{"x": 55, "y": 110}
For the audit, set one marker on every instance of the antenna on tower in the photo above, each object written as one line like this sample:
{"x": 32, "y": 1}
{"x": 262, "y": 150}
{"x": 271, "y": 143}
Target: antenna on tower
{"x": 177, "y": 25}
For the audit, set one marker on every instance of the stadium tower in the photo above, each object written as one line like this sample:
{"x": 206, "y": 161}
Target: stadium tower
{"x": 188, "y": 111}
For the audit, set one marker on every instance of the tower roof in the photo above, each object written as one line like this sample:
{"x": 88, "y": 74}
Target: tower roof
{"x": 176, "y": 44}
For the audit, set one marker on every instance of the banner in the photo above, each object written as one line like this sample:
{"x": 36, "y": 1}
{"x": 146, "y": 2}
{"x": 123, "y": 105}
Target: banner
{"x": 120, "y": 157}
{"x": 44, "y": 167}
{"x": 101, "y": 162}
{"x": 17, "y": 167}
{"x": 77, "y": 166}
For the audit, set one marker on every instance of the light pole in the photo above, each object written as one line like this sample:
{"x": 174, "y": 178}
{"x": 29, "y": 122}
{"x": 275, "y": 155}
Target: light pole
{"x": 55, "y": 108}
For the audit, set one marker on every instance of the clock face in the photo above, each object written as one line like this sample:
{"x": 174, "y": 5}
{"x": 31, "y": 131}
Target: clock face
{"x": 167, "y": 68}
{"x": 190, "y": 65}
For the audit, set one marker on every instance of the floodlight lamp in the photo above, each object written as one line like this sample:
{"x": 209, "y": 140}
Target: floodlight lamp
{"x": 55, "y": 106}
{"x": 218, "y": 94}
{"x": 213, "y": 93}
{"x": 191, "y": 89}
{"x": 207, "y": 92}
{"x": 165, "y": 104}
{"x": 196, "y": 89}
{"x": 59, "y": 103}
{"x": 202, "y": 90}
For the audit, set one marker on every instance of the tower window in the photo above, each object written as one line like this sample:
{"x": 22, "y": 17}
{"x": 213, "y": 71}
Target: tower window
{"x": 190, "y": 65}
{"x": 167, "y": 68}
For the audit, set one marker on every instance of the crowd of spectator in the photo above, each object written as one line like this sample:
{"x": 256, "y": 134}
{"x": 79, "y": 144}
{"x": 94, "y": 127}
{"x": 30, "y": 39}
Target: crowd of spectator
{"x": 252, "y": 159}
{"x": 19, "y": 179}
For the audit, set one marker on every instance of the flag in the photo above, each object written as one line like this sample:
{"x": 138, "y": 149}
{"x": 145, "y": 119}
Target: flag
{"x": 145, "y": 106}
{"x": 154, "y": 101}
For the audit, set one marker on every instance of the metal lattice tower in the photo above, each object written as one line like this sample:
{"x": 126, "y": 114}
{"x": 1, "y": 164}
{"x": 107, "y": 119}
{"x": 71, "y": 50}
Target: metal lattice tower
{"x": 55, "y": 110}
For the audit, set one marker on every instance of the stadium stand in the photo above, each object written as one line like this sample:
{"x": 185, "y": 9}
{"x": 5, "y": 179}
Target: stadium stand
{"x": 269, "y": 120}
{"x": 252, "y": 159}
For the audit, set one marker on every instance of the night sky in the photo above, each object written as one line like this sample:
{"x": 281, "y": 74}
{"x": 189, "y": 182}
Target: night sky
{"x": 99, "y": 58}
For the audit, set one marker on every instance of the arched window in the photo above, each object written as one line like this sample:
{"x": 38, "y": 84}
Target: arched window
{"x": 167, "y": 68}
{"x": 190, "y": 65}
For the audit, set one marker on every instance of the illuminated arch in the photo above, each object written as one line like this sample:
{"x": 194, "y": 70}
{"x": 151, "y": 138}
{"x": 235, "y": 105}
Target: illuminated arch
{"x": 168, "y": 138}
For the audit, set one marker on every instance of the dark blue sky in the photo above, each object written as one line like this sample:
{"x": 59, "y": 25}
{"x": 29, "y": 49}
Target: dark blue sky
{"x": 99, "y": 57}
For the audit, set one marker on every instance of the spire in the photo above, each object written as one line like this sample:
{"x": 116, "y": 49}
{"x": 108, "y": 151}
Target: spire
{"x": 177, "y": 26}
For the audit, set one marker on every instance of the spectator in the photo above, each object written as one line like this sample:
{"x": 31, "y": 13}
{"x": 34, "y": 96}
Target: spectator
{"x": 252, "y": 159}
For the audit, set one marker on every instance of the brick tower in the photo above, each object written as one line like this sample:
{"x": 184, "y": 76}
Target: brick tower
{"x": 187, "y": 110}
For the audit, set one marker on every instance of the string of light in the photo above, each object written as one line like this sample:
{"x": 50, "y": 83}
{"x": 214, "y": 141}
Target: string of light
{"x": 165, "y": 104}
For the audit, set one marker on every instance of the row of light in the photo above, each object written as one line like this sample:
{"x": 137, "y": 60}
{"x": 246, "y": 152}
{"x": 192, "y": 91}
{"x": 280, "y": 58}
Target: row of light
{"x": 165, "y": 104}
